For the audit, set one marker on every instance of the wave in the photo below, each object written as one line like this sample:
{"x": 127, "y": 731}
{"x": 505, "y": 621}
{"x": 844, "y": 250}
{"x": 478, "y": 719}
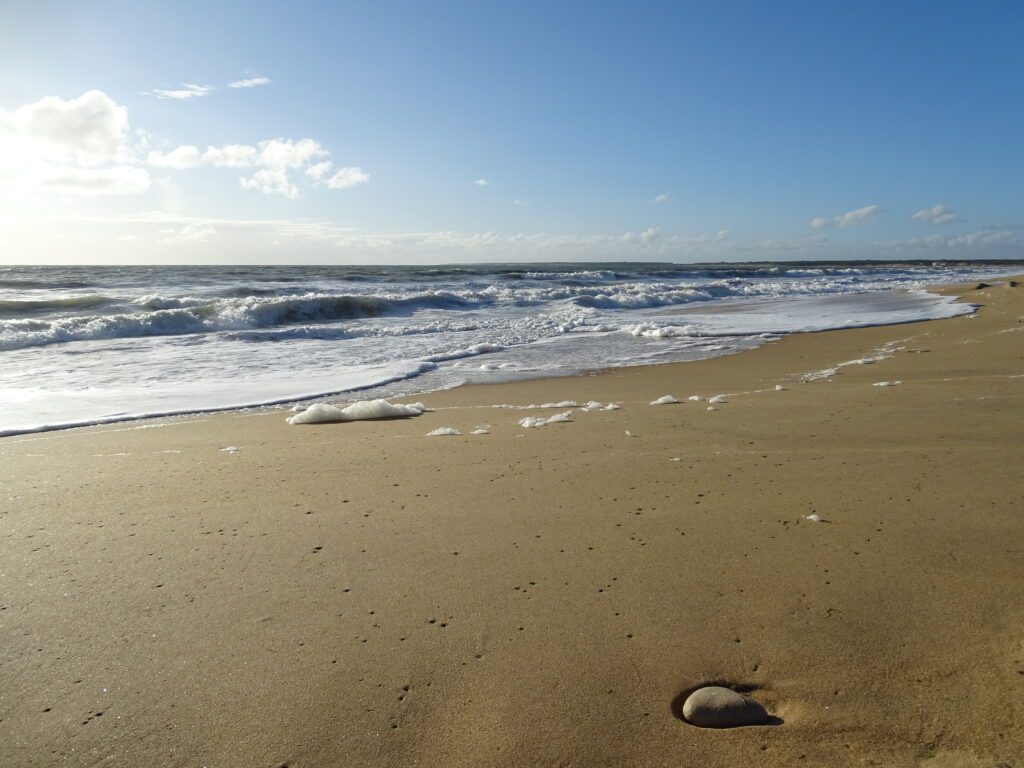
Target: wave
{"x": 579, "y": 276}
{"x": 15, "y": 307}
{"x": 334, "y": 333}
{"x": 247, "y": 311}
{"x": 370, "y": 379}
{"x": 244, "y": 291}
{"x": 158, "y": 315}
{"x": 473, "y": 351}
{"x": 320, "y": 308}
{"x": 189, "y": 315}
{"x": 156, "y": 303}
{"x": 25, "y": 283}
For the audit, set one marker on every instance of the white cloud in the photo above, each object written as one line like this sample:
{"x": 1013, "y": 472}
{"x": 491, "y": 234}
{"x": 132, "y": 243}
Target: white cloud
{"x": 194, "y": 90}
{"x": 188, "y": 156}
{"x": 936, "y": 215}
{"x": 859, "y": 216}
{"x": 489, "y": 246}
{"x": 848, "y": 219}
{"x": 271, "y": 181}
{"x": 275, "y": 159}
{"x": 220, "y": 240}
{"x": 185, "y": 156}
{"x": 186, "y": 91}
{"x": 88, "y": 130}
{"x": 305, "y": 230}
{"x": 71, "y": 147}
{"x": 482, "y": 182}
{"x": 346, "y": 178}
{"x": 231, "y": 156}
{"x": 191, "y": 232}
{"x": 325, "y": 241}
{"x": 985, "y": 238}
{"x": 80, "y": 146}
{"x": 319, "y": 170}
{"x": 250, "y": 82}
{"x": 272, "y": 153}
{"x": 664, "y": 197}
{"x": 116, "y": 180}
{"x": 286, "y": 153}
{"x": 798, "y": 245}
{"x": 519, "y": 202}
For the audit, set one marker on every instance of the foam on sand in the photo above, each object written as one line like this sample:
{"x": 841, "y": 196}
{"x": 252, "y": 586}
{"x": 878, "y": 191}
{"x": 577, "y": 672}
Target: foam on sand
{"x": 533, "y": 406}
{"x": 363, "y": 410}
{"x": 594, "y": 405}
{"x": 443, "y": 432}
{"x": 719, "y": 399}
{"x": 696, "y": 398}
{"x": 886, "y": 383}
{"x": 540, "y": 421}
{"x": 884, "y": 352}
{"x": 664, "y": 400}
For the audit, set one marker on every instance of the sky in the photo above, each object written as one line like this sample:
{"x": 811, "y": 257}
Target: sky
{"x": 416, "y": 132}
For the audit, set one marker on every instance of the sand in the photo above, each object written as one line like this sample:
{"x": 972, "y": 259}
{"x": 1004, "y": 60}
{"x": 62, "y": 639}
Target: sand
{"x": 358, "y": 594}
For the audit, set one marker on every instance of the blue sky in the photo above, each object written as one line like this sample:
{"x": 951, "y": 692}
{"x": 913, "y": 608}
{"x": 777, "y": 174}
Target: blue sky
{"x": 698, "y": 131}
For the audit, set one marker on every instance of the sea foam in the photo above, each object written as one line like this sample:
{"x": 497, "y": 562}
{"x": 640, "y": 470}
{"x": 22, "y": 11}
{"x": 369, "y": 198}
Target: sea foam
{"x": 363, "y": 410}
{"x": 540, "y": 421}
{"x": 594, "y": 405}
{"x": 664, "y": 400}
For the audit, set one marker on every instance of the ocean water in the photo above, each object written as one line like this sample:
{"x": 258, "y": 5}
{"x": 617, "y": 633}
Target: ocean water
{"x": 81, "y": 345}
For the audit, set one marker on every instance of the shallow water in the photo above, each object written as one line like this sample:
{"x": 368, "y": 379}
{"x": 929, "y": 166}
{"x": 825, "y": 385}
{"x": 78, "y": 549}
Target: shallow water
{"x": 90, "y": 344}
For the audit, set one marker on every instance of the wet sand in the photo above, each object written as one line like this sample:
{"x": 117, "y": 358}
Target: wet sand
{"x": 361, "y": 595}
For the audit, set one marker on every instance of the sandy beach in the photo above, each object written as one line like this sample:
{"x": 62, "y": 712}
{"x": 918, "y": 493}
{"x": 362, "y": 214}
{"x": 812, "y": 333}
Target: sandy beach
{"x": 360, "y": 594}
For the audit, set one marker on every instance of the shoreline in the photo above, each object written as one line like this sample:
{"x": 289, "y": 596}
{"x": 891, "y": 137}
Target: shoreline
{"x": 239, "y": 591}
{"x": 731, "y": 305}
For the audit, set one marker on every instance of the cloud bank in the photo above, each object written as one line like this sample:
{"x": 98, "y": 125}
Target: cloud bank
{"x": 83, "y": 146}
{"x": 275, "y": 160}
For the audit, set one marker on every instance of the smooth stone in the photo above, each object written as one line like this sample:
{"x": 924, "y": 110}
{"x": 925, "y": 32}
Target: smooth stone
{"x": 716, "y": 707}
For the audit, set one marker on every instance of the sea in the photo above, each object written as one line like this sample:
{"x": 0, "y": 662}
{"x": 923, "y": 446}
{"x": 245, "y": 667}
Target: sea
{"x": 89, "y": 345}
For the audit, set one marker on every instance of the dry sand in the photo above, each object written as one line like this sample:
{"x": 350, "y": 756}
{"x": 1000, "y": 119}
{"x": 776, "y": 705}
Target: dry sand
{"x": 362, "y": 595}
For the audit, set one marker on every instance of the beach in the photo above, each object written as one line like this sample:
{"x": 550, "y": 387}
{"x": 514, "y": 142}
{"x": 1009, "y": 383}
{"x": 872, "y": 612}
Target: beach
{"x": 841, "y": 535}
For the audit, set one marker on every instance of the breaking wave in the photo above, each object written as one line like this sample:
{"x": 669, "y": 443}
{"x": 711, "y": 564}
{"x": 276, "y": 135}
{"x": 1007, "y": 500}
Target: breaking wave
{"x": 175, "y": 316}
